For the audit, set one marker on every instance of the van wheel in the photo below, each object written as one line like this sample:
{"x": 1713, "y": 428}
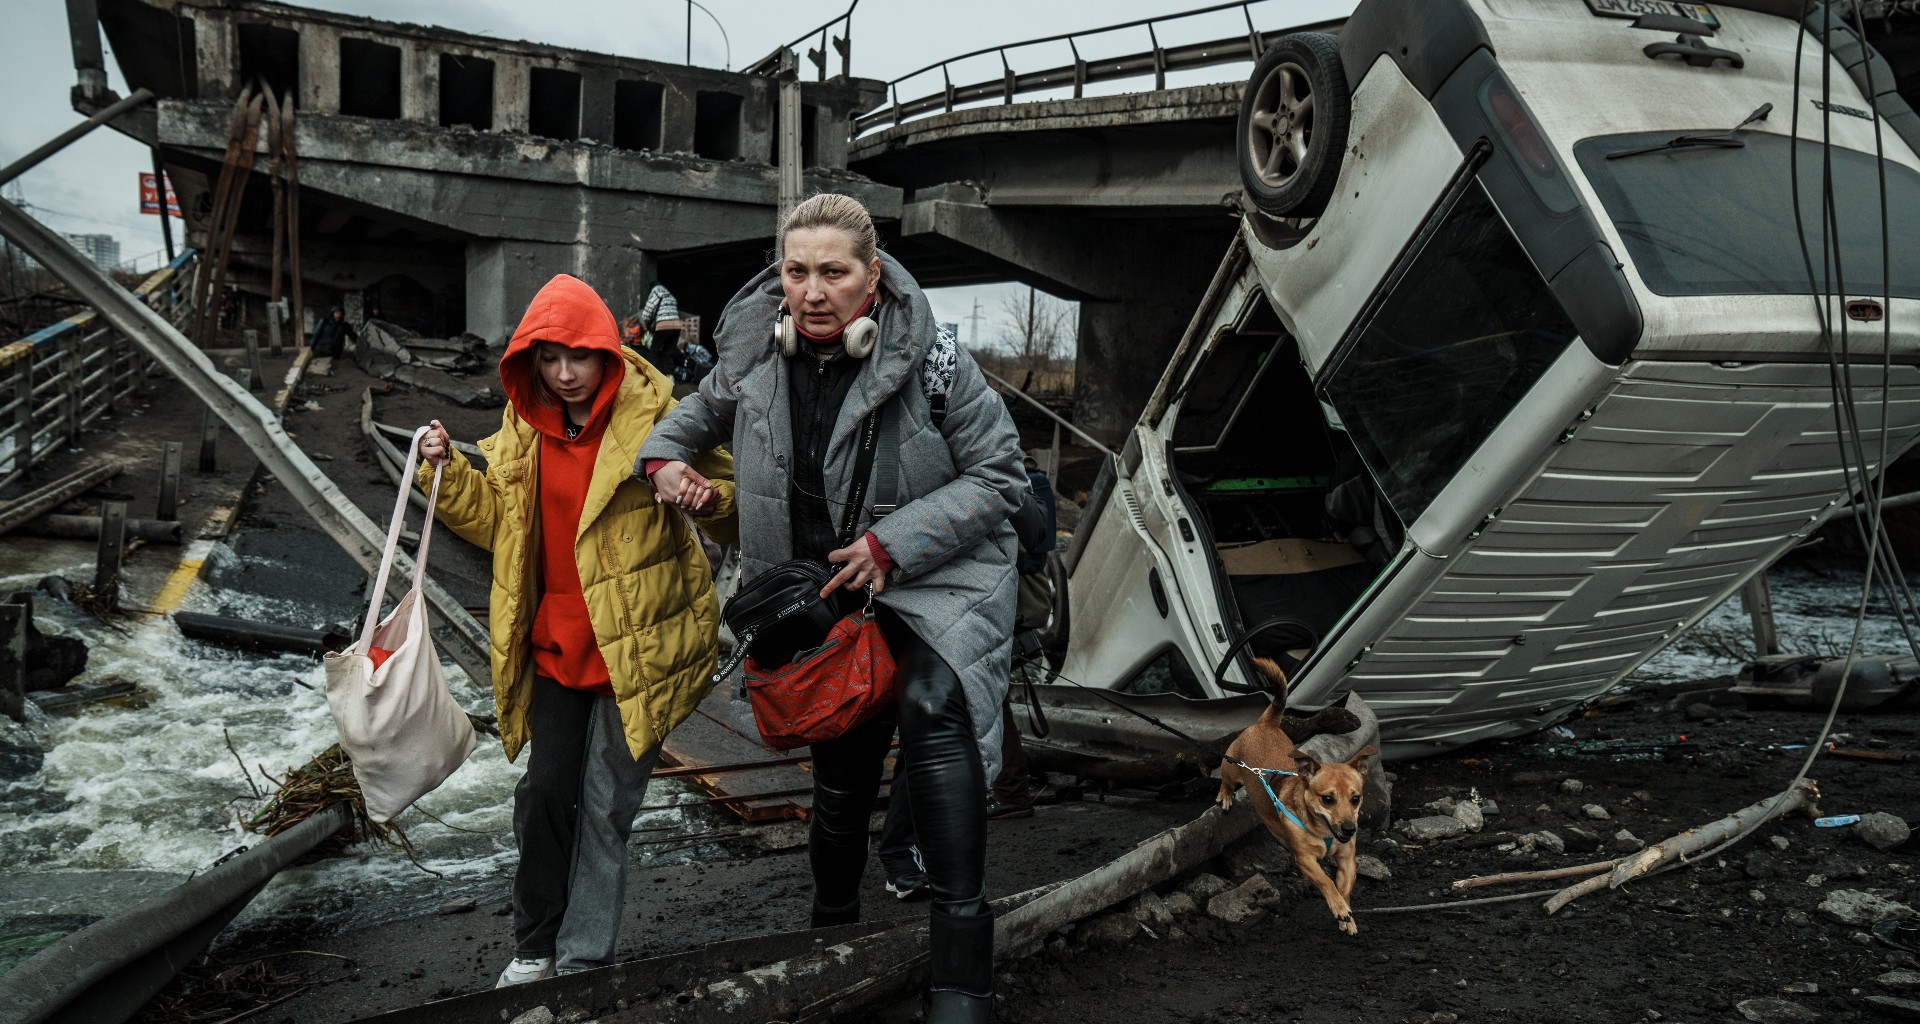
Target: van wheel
{"x": 1293, "y": 125}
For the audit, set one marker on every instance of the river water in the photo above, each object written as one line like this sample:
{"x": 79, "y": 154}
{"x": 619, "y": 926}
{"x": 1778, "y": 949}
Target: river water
{"x": 132, "y": 798}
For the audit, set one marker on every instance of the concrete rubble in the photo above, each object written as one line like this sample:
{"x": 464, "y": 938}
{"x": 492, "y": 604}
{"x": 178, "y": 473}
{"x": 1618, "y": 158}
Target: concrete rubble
{"x": 1861, "y": 909}
{"x": 1882, "y": 831}
{"x": 1775, "y": 1011}
{"x": 1244, "y": 903}
{"x": 459, "y": 369}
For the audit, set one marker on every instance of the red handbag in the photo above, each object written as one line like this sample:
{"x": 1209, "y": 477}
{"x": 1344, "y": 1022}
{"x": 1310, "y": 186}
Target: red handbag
{"x": 823, "y": 693}
{"x": 845, "y": 678}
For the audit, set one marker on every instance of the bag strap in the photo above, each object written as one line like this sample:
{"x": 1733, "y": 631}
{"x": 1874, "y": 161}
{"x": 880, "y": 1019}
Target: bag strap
{"x": 879, "y": 460}
{"x": 862, "y": 469}
{"x": 394, "y": 528}
{"x": 886, "y": 462}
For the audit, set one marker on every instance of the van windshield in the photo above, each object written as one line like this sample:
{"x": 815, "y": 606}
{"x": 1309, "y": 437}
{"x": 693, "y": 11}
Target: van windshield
{"x": 1719, "y": 221}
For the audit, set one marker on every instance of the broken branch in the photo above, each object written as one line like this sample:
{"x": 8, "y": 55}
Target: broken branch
{"x": 1534, "y": 876}
{"x": 1801, "y": 797}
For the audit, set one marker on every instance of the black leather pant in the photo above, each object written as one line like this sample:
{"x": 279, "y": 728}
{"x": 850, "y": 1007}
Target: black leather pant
{"x": 946, "y": 782}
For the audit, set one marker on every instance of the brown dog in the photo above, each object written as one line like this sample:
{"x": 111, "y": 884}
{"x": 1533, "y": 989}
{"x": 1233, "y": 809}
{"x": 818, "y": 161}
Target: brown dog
{"x": 1324, "y": 797}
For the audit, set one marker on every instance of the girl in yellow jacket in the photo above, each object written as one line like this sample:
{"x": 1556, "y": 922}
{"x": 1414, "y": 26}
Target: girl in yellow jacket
{"x": 602, "y": 613}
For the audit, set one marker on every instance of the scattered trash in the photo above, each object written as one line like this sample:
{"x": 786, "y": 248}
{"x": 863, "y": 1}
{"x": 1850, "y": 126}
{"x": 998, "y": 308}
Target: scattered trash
{"x": 213, "y": 989}
{"x": 1837, "y": 821}
{"x": 1609, "y": 750}
{"x": 310, "y": 406}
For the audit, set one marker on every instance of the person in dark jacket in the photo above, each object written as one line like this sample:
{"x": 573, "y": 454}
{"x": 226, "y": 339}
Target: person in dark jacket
{"x": 856, "y": 333}
{"x": 330, "y": 339}
{"x": 1035, "y": 524}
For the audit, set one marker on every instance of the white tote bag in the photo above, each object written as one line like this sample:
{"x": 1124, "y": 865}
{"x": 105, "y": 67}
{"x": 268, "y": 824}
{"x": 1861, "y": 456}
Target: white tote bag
{"x": 397, "y": 720}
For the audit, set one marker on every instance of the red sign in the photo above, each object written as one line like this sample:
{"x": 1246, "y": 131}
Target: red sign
{"x": 150, "y": 196}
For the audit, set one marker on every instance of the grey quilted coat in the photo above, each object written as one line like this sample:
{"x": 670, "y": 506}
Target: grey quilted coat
{"x": 951, "y": 542}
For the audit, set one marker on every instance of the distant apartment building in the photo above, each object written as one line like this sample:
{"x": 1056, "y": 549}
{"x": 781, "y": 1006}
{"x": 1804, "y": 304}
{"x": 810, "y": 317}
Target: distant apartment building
{"x": 103, "y": 250}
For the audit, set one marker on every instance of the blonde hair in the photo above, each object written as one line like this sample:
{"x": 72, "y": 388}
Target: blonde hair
{"x": 832, "y": 210}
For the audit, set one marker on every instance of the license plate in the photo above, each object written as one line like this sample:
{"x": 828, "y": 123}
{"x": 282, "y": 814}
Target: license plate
{"x": 1635, "y": 8}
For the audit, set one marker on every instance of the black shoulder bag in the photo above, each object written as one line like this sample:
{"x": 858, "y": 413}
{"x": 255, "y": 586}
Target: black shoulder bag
{"x": 780, "y": 612}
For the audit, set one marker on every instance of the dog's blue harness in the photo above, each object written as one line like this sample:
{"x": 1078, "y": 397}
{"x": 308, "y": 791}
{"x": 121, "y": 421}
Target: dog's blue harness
{"x": 1261, "y": 774}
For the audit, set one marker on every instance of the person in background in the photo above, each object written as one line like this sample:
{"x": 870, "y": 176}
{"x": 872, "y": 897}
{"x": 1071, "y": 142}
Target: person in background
{"x": 602, "y": 618}
{"x": 696, "y": 360}
{"x": 633, "y": 336}
{"x": 939, "y": 565}
{"x": 329, "y": 340}
{"x": 1012, "y": 790}
{"x": 660, "y": 319}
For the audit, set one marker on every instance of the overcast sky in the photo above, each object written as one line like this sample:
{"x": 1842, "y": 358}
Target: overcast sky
{"x": 91, "y": 186}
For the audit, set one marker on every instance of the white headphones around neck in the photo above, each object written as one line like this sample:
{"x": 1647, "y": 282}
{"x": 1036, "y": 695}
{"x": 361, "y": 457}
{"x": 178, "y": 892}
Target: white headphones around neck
{"x": 857, "y": 341}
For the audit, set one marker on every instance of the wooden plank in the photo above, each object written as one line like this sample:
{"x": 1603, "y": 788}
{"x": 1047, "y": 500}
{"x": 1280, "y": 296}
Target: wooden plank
{"x": 706, "y": 739}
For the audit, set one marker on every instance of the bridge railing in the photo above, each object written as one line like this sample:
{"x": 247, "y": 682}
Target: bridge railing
{"x": 56, "y": 382}
{"x": 817, "y": 56}
{"x": 1156, "y": 60}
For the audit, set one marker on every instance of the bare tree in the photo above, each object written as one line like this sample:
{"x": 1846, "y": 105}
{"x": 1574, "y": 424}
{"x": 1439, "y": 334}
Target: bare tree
{"x": 1036, "y": 327}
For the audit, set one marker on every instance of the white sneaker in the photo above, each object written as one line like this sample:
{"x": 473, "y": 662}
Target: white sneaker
{"x": 519, "y": 972}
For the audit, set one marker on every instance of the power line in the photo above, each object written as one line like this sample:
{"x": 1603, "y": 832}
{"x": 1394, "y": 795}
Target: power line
{"x": 975, "y": 318}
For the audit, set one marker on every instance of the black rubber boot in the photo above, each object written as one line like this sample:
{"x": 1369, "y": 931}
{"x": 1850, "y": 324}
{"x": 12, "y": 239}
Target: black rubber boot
{"x": 825, "y": 916}
{"x": 961, "y": 967}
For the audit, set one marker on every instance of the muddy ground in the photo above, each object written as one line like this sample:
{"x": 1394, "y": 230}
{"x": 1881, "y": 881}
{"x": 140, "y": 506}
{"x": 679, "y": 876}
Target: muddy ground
{"x": 1688, "y": 946}
{"x": 1695, "y": 944}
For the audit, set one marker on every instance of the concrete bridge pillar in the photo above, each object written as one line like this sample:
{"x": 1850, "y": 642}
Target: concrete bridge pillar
{"x": 503, "y": 275}
{"x": 1124, "y": 343}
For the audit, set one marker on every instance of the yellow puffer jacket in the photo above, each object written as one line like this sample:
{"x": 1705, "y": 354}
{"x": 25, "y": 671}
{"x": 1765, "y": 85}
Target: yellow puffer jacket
{"x": 647, "y": 583}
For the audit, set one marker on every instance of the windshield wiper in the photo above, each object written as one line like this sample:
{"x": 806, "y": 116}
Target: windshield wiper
{"x": 1722, "y": 140}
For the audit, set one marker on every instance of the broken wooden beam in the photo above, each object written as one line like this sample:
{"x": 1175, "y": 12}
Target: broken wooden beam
{"x": 153, "y": 531}
{"x": 36, "y": 503}
{"x": 228, "y": 631}
{"x": 835, "y": 982}
{"x": 1859, "y": 754}
{"x": 79, "y": 695}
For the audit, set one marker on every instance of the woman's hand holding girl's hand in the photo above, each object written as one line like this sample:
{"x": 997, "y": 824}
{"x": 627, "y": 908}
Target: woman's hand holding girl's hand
{"x": 860, "y": 569}
{"x": 435, "y": 444}
{"x": 677, "y": 483}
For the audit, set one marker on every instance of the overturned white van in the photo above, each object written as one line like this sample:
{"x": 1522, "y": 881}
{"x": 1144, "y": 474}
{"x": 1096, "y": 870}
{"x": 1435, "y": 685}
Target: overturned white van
{"x": 1514, "y": 371}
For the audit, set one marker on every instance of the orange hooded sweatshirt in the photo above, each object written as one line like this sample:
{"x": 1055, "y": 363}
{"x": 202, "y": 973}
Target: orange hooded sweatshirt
{"x": 570, "y": 313}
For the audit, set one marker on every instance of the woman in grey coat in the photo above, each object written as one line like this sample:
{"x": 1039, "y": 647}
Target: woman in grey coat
{"x": 940, "y": 566}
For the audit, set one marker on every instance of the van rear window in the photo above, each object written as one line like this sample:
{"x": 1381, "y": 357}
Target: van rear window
{"x": 1712, "y": 220}
{"x": 1466, "y": 328}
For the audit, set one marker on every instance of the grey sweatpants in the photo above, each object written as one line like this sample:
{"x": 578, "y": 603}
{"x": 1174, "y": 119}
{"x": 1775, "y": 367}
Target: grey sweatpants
{"x": 572, "y": 814}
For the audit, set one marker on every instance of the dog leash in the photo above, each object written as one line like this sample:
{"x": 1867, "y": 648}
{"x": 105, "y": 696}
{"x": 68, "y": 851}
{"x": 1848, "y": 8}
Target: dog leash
{"x": 1259, "y": 773}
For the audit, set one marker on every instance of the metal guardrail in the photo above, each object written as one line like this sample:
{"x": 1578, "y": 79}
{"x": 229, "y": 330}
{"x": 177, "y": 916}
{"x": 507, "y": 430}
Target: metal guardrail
{"x": 770, "y": 64}
{"x": 257, "y": 426}
{"x": 1157, "y": 60}
{"x": 108, "y": 970}
{"x": 57, "y": 382}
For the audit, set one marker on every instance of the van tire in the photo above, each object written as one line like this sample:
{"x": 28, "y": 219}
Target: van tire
{"x": 1290, "y": 140}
